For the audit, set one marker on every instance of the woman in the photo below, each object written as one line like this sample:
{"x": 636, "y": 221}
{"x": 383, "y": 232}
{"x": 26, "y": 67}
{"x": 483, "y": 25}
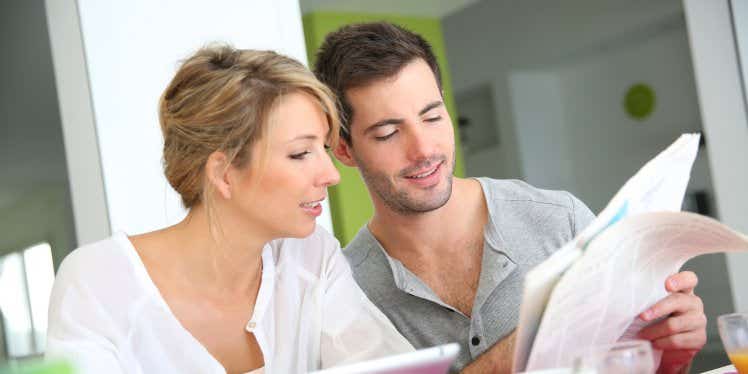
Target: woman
{"x": 244, "y": 146}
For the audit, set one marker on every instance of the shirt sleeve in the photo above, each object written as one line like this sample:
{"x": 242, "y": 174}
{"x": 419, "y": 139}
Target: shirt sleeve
{"x": 353, "y": 328}
{"x": 581, "y": 215}
{"x": 79, "y": 329}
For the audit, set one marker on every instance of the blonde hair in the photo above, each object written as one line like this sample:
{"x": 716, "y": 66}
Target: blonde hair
{"x": 220, "y": 100}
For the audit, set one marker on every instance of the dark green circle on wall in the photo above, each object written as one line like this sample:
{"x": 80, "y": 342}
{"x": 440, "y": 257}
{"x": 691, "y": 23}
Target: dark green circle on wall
{"x": 639, "y": 102}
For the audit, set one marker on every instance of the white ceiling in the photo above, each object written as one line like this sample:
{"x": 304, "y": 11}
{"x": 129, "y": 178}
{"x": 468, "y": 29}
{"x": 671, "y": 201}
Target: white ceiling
{"x": 419, "y": 8}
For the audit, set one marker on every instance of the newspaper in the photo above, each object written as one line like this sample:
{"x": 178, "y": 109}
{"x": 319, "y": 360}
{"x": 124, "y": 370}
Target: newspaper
{"x": 590, "y": 292}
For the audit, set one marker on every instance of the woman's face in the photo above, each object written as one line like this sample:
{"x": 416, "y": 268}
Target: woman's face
{"x": 281, "y": 189}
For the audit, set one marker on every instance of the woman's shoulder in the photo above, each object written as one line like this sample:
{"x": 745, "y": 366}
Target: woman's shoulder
{"x": 99, "y": 270}
{"x": 95, "y": 259}
{"x": 97, "y": 292}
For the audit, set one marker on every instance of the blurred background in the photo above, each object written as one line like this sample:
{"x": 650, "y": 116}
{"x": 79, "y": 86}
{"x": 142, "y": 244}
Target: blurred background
{"x": 574, "y": 95}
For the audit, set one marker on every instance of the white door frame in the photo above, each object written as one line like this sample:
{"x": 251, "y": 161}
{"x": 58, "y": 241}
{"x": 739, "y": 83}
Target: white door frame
{"x": 723, "y": 112}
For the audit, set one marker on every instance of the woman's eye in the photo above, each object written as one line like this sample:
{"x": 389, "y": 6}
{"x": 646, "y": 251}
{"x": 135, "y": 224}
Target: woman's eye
{"x": 385, "y": 137}
{"x": 433, "y": 119}
{"x": 300, "y": 155}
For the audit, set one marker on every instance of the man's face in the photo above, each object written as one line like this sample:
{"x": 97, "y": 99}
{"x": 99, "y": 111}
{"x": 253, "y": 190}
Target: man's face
{"x": 403, "y": 140}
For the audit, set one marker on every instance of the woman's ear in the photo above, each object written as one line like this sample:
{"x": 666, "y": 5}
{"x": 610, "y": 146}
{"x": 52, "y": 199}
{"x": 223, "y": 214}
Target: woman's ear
{"x": 217, "y": 173}
{"x": 344, "y": 153}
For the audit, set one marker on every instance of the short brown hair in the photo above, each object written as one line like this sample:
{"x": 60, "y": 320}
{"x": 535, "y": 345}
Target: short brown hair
{"x": 220, "y": 100}
{"x": 358, "y": 54}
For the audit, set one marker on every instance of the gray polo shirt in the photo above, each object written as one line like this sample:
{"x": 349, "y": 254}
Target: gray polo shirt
{"x": 525, "y": 225}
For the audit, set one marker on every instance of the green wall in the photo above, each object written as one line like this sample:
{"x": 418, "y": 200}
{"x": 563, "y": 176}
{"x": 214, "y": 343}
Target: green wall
{"x": 350, "y": 203}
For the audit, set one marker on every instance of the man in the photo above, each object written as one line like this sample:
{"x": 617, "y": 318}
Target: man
{"x": 444, "y": 257}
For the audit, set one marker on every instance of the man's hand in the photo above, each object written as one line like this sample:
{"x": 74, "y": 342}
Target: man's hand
{"x": 683, "y": 333}
{"x": 496, "y": 360}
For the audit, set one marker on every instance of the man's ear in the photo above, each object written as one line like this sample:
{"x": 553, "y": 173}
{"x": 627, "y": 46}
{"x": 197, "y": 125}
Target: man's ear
{"x": 344, "y": 153}
{"x": 217, "y": 174}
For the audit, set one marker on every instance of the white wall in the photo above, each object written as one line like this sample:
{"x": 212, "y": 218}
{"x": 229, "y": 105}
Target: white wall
{"x": 113, "y": 60}
{"x": 608, "y": 145}
{"x": 553, "y": 65}
{"x": 739, "y": 18}
{"x": 487, "y": 40}
{"x": 543, "y": 135}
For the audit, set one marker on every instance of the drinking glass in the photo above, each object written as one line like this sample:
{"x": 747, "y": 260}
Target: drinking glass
{"x": 629, "y": 357}
{"x": 733, "y": 330}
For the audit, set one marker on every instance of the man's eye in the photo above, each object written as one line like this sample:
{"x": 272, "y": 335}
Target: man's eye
{"x": 433, "y": 119}
{"x": 300, "y": 155}
{"x": 385, "y": 137}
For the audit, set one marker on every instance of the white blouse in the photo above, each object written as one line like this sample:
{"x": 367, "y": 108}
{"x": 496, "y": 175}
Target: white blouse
{"x": 107, "y": 316}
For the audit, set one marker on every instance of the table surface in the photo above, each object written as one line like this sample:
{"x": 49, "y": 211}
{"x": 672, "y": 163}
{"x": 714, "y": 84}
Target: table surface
{"x": 723, "y": 370}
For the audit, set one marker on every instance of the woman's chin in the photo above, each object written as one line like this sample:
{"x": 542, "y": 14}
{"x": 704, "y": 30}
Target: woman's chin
{"x": 301, "y": 231}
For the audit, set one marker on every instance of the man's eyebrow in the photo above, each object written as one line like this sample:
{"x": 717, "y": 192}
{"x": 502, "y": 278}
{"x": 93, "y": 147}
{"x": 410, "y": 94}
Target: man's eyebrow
{"x": 384, "y": 122}
{"x": 433, "y": 105}
{"x": 399, "y": 121}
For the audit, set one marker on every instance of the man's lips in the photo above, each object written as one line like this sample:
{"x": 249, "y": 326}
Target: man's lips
{"x": 424, "y": 172}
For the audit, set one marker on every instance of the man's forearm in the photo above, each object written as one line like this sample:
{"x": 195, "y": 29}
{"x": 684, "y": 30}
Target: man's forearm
{"x": 497, "y": 359}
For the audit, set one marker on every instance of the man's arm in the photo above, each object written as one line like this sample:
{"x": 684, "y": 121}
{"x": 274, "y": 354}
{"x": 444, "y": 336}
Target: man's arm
{"x": 497, "y": 359}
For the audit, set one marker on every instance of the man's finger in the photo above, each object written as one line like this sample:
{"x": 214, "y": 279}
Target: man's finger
{"x": 674, "y": 303}
{"x": 693, "y": 340}
{"x": 674, "y": 325}
{"x": 684, "y": 281}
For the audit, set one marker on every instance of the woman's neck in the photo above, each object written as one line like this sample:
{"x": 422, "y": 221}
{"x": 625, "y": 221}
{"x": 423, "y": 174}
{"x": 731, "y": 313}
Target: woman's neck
{"x": 215, "y": 254}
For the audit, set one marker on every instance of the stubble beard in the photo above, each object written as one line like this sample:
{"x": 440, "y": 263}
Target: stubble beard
{"x": 399, "y": 199}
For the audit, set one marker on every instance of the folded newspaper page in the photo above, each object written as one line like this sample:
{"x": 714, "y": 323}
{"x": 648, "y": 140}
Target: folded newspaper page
{"x": 590, "y": 292}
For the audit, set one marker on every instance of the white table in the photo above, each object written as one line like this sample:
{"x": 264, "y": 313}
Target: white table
{"x": 722, "y": 370}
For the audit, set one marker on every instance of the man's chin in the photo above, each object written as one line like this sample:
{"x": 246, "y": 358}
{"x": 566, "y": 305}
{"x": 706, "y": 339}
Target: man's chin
{"x": 424, "y": 201}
